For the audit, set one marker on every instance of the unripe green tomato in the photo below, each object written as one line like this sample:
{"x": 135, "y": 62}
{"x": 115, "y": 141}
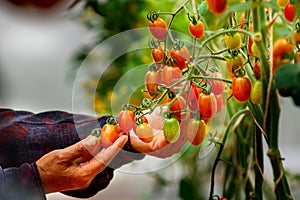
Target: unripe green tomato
{"x": 233, "y": 41}
{"x": 256, "y": 92}
{"x": 171, "y": 129}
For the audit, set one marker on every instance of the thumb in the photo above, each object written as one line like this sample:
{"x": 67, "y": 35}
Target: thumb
{"x": 83, "y": 147}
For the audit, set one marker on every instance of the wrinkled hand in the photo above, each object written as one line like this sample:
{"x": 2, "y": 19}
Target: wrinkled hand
{"x": 59, "y": 172}
{"x": 159, "y": 146}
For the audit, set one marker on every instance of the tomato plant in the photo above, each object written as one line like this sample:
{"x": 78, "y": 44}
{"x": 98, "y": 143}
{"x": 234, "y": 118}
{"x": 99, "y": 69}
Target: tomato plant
{"x": 195, "y": 76}
{"x": 171, "y": 129}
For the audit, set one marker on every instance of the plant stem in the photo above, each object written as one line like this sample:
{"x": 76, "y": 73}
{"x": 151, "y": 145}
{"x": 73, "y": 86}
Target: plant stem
{"x": 221, "y": 146}
{"x": 271, "y": 108}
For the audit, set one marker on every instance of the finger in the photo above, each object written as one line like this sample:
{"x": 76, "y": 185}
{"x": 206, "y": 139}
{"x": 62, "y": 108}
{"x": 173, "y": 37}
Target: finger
{"x": 104, "y": 157}
{"x": 156, "y": 144}
{"x": 82, "y": 148}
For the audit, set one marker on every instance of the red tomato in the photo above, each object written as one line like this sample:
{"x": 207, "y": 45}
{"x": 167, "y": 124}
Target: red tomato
{"x": 216, "y": 6}
{"x": 208, "y": 105}
{"x": 158, "y": 53}
{"x": 170, "y": 74}
{"x": 109, "y": 134}
{"x": 158, "y": 28}
{"x": 181, "y": 55}
{"x": 152, "y": 80}
{"x": 177, "y": 107}
{"x": 290, "y": 11}
{"x": 193, "y": 97}
{"x": 220, "y": 102}
{"x": 282, "y": 46}
{"x": 256, "y": 69}
{"x": 126, "y": 120}
{"x": 196, "y": 29}
{"x": 241, "y": 88}
{"x": 250, "y": 42}
{"x": 217, "y": 86}
{"x": 145, "y": 132}
{"x": 196, "y": 131}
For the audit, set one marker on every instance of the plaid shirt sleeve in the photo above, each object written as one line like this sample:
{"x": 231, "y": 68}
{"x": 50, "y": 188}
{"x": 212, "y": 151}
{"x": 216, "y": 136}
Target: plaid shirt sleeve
{"x": 25, "y": 137}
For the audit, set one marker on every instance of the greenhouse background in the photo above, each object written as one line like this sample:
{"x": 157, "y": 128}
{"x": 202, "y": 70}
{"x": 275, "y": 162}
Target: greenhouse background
{"x": 40, "y": 53}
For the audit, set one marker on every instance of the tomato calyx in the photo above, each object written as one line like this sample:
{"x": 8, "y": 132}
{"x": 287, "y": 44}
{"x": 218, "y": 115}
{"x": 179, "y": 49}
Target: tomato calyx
{"x": 111, "y": 120}
{"x": 152, "y": 15}
{"x": 178, "y": 44}
{"x": 193, "y": 19}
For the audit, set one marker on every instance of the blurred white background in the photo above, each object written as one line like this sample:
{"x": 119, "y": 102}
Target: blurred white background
{"x": 36, "y": 52}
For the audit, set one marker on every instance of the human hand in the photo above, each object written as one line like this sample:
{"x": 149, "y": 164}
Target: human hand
{"x": 159, "y": 146}
{"x": 59, "y": 172}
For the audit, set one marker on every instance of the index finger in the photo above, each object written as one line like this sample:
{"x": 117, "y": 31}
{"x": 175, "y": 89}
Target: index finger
{"x": 99, "y": 162}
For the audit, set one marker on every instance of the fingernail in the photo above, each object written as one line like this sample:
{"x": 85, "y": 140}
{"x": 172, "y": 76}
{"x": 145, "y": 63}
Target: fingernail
{"x": 90, "y": 141}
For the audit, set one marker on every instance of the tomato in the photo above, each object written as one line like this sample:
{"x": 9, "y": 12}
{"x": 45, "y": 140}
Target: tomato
{"x": 255, "y": 50}
{"x": 196, "y": 28}
{"x": 223, "y": 198}
{"x": 256, "y": 69}
{"x": 241, "y": 88}
{"x": 297, "y": 57}
{"x": 278, "y": 62}
{"x": 181, "y": 54}
{"x": 256, "y": 92}
{"x": 220, "y": 102}
{"x": 126, "y": 120}
{"x": 250, "y": 43}
{"x": 289, "y": 11}
{"x": 145, "y": 132}
{"x": 193, "y": 97}
{"x": 152, "y": 80}
{"x": 217, "y": 86}
{"x": 171, "y": 129}
{"x": 109, "y": 134}
{"x": 158, "y": 28}
{"x": 170, "y": 74}
{"x": 281, "y": 47}
{"x": 233, "y": 41}
{"x": 234, "y": 63}
{"x": 178, "y": 105}
{"x": 296, "y": 35}
{"x": 216, "y": 6}
{"x": 282, "y": 3}
{"x": 158, "y": 53}
{"x": 196, "y": 131}
{"x": 207, "y": 105}
{"x": 139, "y": 120}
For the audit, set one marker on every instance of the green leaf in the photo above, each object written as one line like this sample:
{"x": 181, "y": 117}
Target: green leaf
{"x": 186, "y": 189}
{"x": 239, "y": 7}
{"x": 202, "y": 8}
{"x": 287, "y": 80}
{"x": 284, "y": 31}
